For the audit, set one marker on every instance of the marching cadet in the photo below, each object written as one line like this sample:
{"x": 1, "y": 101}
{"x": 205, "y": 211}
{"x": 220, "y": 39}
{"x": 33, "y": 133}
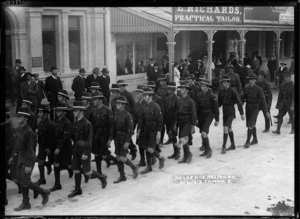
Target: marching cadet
{"x": 285, "y": 101}
{"x": 140, "y": 105}
{"x": 95, "y": 87}
{"x": 45, "y": 141}
{"x": 268, "y": 96}
{"x": 235, "y": 80}
{"x": 207, "y": 110}
{"x": 122, "y": 133}
{"x": 82, "y": 136}
{"x": 32, "y": 120}
{"x": 228, "y": 98}
{"x": 62, "y": 97}
{"x": 253, "y": 96}
{"x": 131, "y": 110}
{"x": 102, "y": 121}
{"x": 86, "y": 98}
{"x": 171, "y": 107}
{"x": 185, "y": 121}
{"x": 149, "y": 130}
{"x": 23, "y": 159}
{"x": 63, "y": 145}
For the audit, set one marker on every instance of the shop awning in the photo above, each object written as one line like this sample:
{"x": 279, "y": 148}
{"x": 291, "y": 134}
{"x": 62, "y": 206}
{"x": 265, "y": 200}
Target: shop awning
{"x": 140, "y": 20}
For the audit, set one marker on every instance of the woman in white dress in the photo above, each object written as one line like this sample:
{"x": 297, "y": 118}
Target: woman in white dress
{"x": 176, "y": 74}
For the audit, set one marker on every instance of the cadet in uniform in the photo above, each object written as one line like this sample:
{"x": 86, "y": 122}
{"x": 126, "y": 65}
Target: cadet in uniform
{"x": 171, "y": 107}
{"x": 253, "y": 96}
{"x": 96, "y": 87}
{"x": 186, "y": 121}
{"x": 62, "y": 97}
{"x": 45, "y": 141}
{"x": 228, "y": 97}
{"x": 82, "y": 136}
{"x": 149, "y": 129}
{"x": 62, "y": 145}
{"x": 102, "y": 121}
{"x": 130, "y": 109}
{"x": 23, "y": 159}
{"x": 207, "y": 110}
{"x": 32, "y": 120}
{"x": 285, "y": 101}
{"x": 235, "y": 80}
{"x": 122, "y": 133}
{"x": 86, "y": 98}
{"x": 268, "y": 96}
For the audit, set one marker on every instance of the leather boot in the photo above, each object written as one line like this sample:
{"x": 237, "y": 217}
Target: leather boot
{"x": 122, "y": 176}
{"x": 25, "y": 204}
{"x": 42, "y": 180}
{"x": 174, "y": 153}
{"x": 208, "y": 149}
{"x": 183, "y": 160}
{"x": 49, "y": 167}
{"x": 77, "y": 190}
{"x": 71, "y": 173}
{"x": 57, "y": 185}
{"x": 101, "y": 177}
{"x": 142, "y": 162}
{"x": 160, "y": 158}
{"x": 189, "y": 154}
{"x": 44, "y": 192}
{"x": 133, "y": 150}
{"x": 280, "y": 121}
{"x": 133, "y": 167}
{"x": 98, "y": 160}
{"x": 254, "y": 141}
{"x": 177, "y": 153}
{"x": 169, "y": 141}
{"x": 86, "y": 177}
{"x": 153, "y": 160}
{"x": 249, "y": 134}
{"x": 149, "y": 163}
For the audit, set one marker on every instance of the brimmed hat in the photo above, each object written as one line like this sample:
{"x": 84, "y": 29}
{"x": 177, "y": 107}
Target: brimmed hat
{"x": 27, "y": 100}
{"x": 61, "y": 107}
{"x": 44, "y": 108}
{"x": 226, "y": 78}
{"x": 86, "y": 96}
{"x": 155, "y": 64}
{"x": 35, "y": 74}
{"x": 185, "y": 85}
{"x": 18, "y": 61}
{"x": 206, "y": 82}
{"x": 95, "y": 85}
{"x": 287, "y": 74}
{"x": 191, "y": 76}
{"x": 151, "y": 84}
{"x": 21, "y": 68}
{"x": 79, "y": 105}
{"x": 172, "y": 85}
{"x": 53, "y": 68}
{"x": 162, "y": 78}
{"x": 63, "y": 93}
{"x": 140, "y": 88}
{"x": 104, "y": 70}
{"x": 98, "y": 95}
{"x": 121, "y": 99}
{"x": 23, "y": 112}
{"x": 148, "y": 91}
{"x": 122, "y": 83}
{"x": 28, "y": 73}
{"x": 82, "y": 70}
{"x": 252, "y": 76}
{"x": 261, "y": 72}
{"x": 115, "y": 87}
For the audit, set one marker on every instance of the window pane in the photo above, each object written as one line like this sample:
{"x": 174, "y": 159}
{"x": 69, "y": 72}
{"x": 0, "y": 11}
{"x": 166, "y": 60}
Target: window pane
{"x": 124, "y": 58}
{"x": 142, "y": 53}
{"x": 74, "y": 49}
{"x": 48, "y": 22}
{"x": 49, "y": 55}
{"x": 74, "y": 22}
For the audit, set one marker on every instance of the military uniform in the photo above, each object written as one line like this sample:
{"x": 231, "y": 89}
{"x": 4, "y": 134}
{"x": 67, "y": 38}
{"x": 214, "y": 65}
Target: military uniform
{"x": 235, "y": 83}
{"x": 88, "y": 112}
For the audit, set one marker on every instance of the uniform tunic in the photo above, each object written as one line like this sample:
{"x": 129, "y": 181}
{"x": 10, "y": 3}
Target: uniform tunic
{"x": 267, "y": 93}
{"x": 63, "y": 129}
{"x": 207, "y": 110}
{"x": 150, "y": 123}
{"x": 23, "y": 154}
{"x": 130, "y": 101}
{"x": 186, "y": 116}
{"x": 9, "y": 143}
{"x": 285, "y": 98}
{"x": 254, "y": 97}
{"x": 45, "y": 138}
{"x": 82, "y": 131}
{"x": 228, "y": 97}
{"x": 122, "y": 131}
{"x": 88, "y": 113}
{"x": 138, "y": 115}
{"x": 102, "y": 121}
{"x": 235, "y": 83}
{"x": 162, "y": 91}
{"x": 171, "y": 104}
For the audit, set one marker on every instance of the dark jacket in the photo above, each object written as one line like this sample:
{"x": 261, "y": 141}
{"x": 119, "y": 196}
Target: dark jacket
{"x": 130, "y": 101}
{"x": 40, "y": 90}
{"x": 30, "y": 91}
{"x": 151, "y": 119}
{"x": 122, "y": 125}
{"x": 228, "y": 98}
{"x": 78, "y": 86}
{"x": 266, "y": 88}
{"x": 89, "y": 79}
{"x": 207, "y": 103}
{"x": 102, "y": 121}
{"x": 104, "y": 84}
{"x": 186, "y": 111}
{"x": 286, "y": 95}
{"x": 46, "y": 134}
{"x": 255, "y": 95}
{"x": 52, "y": 86}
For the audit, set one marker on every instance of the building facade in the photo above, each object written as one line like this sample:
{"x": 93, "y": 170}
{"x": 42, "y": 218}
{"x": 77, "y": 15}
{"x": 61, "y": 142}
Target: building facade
{"x": 123, "y": 39}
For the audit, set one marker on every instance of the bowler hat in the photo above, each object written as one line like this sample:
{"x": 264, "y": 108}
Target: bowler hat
{"x": 28, "y": 73}
{"x": 206, "y": 82}
{"x": 151, "y": 84}
{"x": 23, "y": 112}
{"x": 226, "y": 78}
{"x": 252, "y": 76}
{"x": 97, "y": 95}
{"x": 53, "y": 68}
{"x": 18, "y": 61}
{"x": 82, "y": 70}
{"x": 184, "y": 85}
{"x": 44, "y": 108}
{"x": 172, "y": 85}
{"x": 63, "y": 93}
{"x": 95, "y": 85}
{"x": 104, "y": 70}
{"x": 61, "y": 107}
{"x": 155, "y": 64}
{"x": 148, "y": 91}
{"x": 122, "y": 83}
{"x": 27, "y": 100}
{"x": 121, "y": 99}
{"x": 78, "y": 105}
{"x": 140, "y": 88}
{"x": 115, "y": 87}
{"x": 86, "y": 95}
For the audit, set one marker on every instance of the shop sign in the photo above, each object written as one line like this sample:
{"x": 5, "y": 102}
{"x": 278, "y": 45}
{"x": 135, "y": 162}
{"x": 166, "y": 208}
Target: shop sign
{"x": 210, "y": 15}
{"x": 37, "y": 62}
{"x": 287, "y": 17}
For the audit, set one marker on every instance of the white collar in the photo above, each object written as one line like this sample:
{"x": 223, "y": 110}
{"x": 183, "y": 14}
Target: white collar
{"x": 55, "y": 77}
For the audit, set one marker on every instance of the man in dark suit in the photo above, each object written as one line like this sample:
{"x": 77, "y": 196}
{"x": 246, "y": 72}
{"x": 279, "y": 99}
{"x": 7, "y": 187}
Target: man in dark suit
{"x": 104, "y": 81}
{"x": 40, "y": 89}
{"x": 92, "y": 78}
{"x": 272, "y": 67}
{"x": 150, "y": 70}
{"x": 282, "y": 68}
{"x": 165, "y": 66}
{"x": 14, "y": 75}
{"x": 20, "y": 79}
{"x": 28, "y": 89}
{"x": 52, "y": 86}
{"x": 241, "y": 71}
{"x": 78, "y": 85}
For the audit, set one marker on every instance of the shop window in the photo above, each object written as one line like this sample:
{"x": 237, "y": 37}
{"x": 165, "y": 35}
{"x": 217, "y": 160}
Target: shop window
{"x": 48, "y": 38}
{"x": 74, "y": 42}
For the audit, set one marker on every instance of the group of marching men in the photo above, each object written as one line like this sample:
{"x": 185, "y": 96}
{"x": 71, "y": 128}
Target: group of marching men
{"x": 158, "y": 108}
